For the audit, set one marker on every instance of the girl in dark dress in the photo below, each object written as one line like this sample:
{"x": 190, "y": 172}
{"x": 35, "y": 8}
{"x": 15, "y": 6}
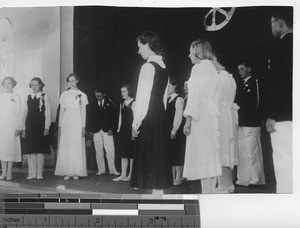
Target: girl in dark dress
{"x": 124, "y": 129}
{"x": 175, "y": 128}
{"x": 37, "y": 124}
{"x": 151, "y": 163}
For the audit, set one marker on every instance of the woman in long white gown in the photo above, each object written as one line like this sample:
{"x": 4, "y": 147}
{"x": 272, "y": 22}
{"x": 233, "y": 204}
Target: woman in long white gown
{"x": 71, "y": 158}
{"x": 202, "y": 159}
{"x": 10, "y": 128}
{"x": 228, "y": 126}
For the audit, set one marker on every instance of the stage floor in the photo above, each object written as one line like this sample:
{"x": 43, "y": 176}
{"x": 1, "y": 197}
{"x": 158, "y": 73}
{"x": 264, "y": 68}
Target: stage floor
{"x": 100, "y": 184}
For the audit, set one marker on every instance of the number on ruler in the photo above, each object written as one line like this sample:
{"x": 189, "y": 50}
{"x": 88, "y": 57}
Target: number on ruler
{"x": 98, "y": 221}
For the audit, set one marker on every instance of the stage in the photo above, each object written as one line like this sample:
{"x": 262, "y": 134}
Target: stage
{"x": 100, "y": 184}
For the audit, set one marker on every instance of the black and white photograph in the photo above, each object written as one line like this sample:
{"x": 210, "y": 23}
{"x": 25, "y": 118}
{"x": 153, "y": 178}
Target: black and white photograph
{"x": 152, "y": 99}
{"x": 141, "y": 100}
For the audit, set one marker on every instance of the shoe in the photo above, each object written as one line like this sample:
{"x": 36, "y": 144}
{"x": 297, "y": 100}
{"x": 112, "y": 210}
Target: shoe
{"x": 75, "y": 178}
{"x": 127, "y": 178}
{"x": 231, "y": 188}
{"x": 100, "y": 173}
{"x": 9, "y": 178}
{"x": 120, "y": 178}
{"x": 31, "y": 177}
{"x": 2, "y": 177}
{"x": 114, "y": 173}
{"x": 221, "y": 191}
{"x": 40, "y": 177}
{"x": 177, "y": 183}
{"x": 66, "y": 178}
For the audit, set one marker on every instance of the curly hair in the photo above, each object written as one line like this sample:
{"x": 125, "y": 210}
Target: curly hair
{"x": 154, "y": 42}
{"x": 11, "y": 79}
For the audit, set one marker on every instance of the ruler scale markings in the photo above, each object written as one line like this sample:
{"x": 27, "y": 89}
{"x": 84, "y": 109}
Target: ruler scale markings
{"x": 163, "y": 212}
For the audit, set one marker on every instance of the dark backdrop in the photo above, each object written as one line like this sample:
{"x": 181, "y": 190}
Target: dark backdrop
{"x": 105, "y": 49}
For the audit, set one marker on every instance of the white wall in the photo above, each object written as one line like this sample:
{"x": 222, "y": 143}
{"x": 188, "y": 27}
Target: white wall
{"x": 43, "y": 47}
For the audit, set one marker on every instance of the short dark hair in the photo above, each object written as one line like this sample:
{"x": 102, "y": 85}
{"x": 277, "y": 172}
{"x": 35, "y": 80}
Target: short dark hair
{"x": 100, "y": 89}
{"x": 154, "y": 42}
{"x": 72, "y": 75}
{"x": 246, "y": 63}
{"x": 41, "y": 83}
{"x": 173, "y": 81}
{"x": 129, "y": 89}
{"x": 11, "y": 79}
{"x": 285, "y": 13}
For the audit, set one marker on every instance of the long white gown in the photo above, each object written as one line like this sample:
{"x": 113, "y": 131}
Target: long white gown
{"x": 228, "y": 121}
{"x": 10, "y": 121}
{"x": 202, "y": 159}
{"x": 71, "y": 158}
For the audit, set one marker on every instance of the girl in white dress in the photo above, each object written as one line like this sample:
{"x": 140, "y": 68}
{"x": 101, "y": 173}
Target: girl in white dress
{"x": 202, "y": 158}
{"x": 10, "y": 128}
{"x": 71, "y": 158}
{"x": 228, "y": 126}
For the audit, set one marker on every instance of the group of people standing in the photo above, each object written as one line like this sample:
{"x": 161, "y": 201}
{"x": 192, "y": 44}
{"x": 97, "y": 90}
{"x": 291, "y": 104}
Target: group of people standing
{"x": 163, "y": 137}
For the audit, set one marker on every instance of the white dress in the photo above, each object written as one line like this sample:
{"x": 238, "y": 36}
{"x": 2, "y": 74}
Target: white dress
{"x": 228, "y": 120}
{"x": 202, "y": 159}
{"x": 10, "y": 121}
{"x": 71, "y": 158}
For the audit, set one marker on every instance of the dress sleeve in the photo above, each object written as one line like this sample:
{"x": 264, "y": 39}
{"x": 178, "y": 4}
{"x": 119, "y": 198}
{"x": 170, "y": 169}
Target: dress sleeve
{"x": 62, "y": 102}
{"x": 19, "y": 116}
{"x": 144, "y": 89}
{"x": 120, "y": 118}
{"x": 84, "y": 100}
{"x": 47, "y": 113}
{"x": 178, "y": 115}
{"x": 84, "y": 103}
{"x": 196, "y": 85}
{"x": 25, "y": 112}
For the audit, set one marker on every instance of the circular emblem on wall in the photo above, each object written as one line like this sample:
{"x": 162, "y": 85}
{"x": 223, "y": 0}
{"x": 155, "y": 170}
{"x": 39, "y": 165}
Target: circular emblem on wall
{"x": 217, "y": 18}
{"x": 6, "y": 48}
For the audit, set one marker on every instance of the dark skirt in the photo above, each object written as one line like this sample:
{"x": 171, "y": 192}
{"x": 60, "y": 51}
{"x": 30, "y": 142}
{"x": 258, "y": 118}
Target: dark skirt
{"x": 35, "y": 141}
{"x": 151, "y": 164}
{"x": 126, "y": 145}
{"x": 177, "y": 148}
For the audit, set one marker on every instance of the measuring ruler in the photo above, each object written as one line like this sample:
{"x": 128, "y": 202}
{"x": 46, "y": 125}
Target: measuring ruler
{"x": 103, "y": 210}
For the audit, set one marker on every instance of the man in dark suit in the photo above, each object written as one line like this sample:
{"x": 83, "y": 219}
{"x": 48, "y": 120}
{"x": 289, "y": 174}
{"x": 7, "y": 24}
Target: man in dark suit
{"x": 250, "y": 169}
{"x": 279, "y": 103}
{"x": 101, "y": 125}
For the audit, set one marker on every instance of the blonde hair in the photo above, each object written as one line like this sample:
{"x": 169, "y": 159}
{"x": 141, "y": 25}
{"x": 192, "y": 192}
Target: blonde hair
{"x": 202, "y": 49}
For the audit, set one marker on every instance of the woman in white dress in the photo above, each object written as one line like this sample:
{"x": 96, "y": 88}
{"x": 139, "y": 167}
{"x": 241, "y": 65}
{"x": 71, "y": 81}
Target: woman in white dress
{"x": 71, "y": 158}
{"x": 10, "y": 128}
{"x": 202, "y": 158}
{"x": 228, "y": 126}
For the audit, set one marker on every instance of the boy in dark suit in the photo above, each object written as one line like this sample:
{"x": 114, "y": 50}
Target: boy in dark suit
{"x": 250, "y": 169}
{"x": 279, "y": 105}
{"x": 101, "y": 130}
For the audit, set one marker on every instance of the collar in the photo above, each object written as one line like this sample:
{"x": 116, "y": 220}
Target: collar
{"x": 173, "y": 95}
{"x": 38, "y": 95}
{"x": 285, "y": 34}
{"x": 128, "y": 101}
{"x": 157, "y": 59}
{"x": 246, "y": 79}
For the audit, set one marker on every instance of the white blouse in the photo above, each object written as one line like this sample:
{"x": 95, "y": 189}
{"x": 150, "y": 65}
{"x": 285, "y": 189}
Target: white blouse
{"x": 47, "y": 108}
{"x": 178, "y": 112}
{"x": 144, "y": 89}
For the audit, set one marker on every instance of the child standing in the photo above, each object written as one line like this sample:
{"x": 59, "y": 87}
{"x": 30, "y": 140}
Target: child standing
{"x": 175, "y": 127}
{"x": 10, "y": 128}
{"x": 124, "y": 129}
{"x": 37, "y": 123}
